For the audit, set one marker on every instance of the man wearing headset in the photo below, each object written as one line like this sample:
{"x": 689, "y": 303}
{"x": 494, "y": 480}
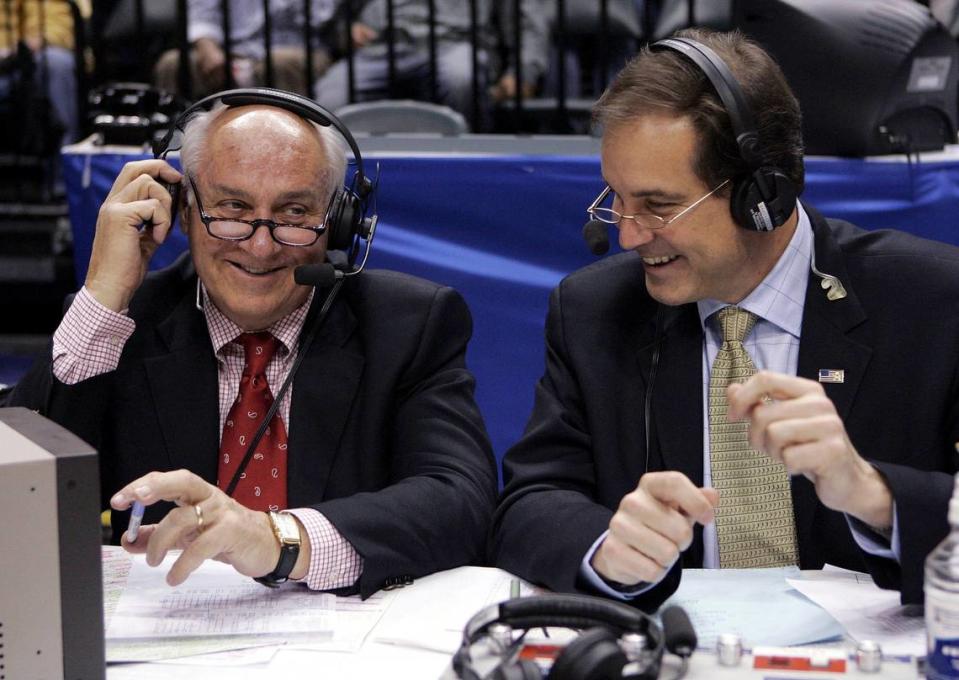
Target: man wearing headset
{"x": 853, "y": 411}
{"x": 379, "y": 430}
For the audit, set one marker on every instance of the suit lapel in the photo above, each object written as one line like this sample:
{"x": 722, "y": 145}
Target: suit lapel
{"x": 323, "y": 393}
{"x": 184, "y": 387}
{"x": 677, "y": 410}
{"x": 826, "y": 344}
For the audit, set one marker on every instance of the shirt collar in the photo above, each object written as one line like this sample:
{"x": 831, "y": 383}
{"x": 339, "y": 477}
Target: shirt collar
{"x": 223, "y": 331}
{"x": 780, "y": 296}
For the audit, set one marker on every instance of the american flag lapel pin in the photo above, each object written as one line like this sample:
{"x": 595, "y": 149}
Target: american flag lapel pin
{"x": 832, "y": 375}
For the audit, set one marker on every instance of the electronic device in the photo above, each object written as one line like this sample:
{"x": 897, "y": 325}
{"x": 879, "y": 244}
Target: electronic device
{"x": 618, "y": 640}
{"x": 346, "y": 216}
{"x": 51, "y": 604}
{"x": 872, "y": 76}
{"x": 131, "y": 113}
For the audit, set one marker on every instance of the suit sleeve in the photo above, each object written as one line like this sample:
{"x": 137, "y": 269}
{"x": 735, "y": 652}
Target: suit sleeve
{"x": 435, "y": 513}
{"x": 548, "y": 516}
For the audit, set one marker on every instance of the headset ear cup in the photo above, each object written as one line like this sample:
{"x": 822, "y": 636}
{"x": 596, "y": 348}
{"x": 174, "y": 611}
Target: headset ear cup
{"x": 762, "y": 200}
{"x": 339, "y": 218}
{"x": 594, "y": 655}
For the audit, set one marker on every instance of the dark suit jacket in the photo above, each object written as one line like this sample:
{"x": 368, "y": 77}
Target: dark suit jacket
{"x": 896, "y": 335}
{"x": 385, "y": 437}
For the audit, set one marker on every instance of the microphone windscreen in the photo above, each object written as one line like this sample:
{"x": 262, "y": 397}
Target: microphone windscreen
{"x": 678, "y": 631}
{"x": 319, "y": 275}
{"x": 596, "y": 236}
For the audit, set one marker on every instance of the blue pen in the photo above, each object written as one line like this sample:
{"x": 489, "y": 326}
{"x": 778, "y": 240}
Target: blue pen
{"x": 135, "y": 518}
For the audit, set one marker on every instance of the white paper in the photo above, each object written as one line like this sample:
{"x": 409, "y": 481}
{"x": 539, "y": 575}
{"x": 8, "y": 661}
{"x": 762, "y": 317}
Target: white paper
{"x": 757, "y": 604}
{"x": 418, "y": 622}
{"x": 866, "y": 611}
{"x": 218, "y": 610}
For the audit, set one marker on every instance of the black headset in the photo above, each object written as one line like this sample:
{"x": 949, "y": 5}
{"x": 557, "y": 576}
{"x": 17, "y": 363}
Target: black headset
{"x": 594, "y": 655}
{"x": 765, "y": 197}
{"x": 346, "y": 218}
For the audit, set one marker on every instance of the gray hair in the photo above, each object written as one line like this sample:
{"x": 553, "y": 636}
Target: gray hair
{"x": 196, "y": 137}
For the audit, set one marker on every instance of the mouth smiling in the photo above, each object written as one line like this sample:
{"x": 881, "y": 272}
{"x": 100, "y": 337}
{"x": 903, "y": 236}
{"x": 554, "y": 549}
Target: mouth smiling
{"x": 658, "y": 261}
{"x": 256, "y": 271}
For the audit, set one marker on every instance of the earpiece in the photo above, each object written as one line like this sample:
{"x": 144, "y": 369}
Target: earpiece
{"x": 346, "y": 216}
{"x": 765, "y": 197}
{"x": 615, "y": 635}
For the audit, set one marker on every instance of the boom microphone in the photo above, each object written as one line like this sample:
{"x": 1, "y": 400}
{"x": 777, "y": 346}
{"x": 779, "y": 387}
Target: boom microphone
{"x": 678, "y": 631}
{"x": 597, "y": 239}
{"x": 319, "y": 275}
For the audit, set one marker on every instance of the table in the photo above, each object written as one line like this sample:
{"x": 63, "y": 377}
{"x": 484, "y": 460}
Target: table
{"x": 499, "y": 219}
{"x": 424, "y": 622}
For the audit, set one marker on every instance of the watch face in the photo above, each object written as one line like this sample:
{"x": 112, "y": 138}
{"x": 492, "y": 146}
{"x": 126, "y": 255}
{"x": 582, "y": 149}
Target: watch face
{"x": 287, "y": 530}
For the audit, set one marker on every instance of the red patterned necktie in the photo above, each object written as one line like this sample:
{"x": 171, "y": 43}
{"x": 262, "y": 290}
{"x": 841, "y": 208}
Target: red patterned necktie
{"x": 262, "y": 485}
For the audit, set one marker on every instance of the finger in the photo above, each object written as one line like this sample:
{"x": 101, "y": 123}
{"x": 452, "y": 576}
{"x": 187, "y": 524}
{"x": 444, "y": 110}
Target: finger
{"x": 139, "y": 546}
{"x": 639, "y": 513}
{"x": 154, "y": 167}
{"x": 763, "y": 415}
{"x": 712, "y": 495}
{"x": 677, "y": 491}
{"x": 179, "y": 486}
{"x": 763, "y": 386}
{"x": 661, "y": 549}
{"x": 205, "y": 546}
{"x": 823, "y": 432}
{"x": 624, "y": 564}
{"x": 176, "y": 530}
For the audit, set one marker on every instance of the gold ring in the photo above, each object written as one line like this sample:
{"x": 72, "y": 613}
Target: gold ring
{"x": 199, "y": 518}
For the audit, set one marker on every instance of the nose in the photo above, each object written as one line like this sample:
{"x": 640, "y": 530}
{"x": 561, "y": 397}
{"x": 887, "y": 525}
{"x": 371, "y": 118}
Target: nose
{"x": 633, "y": 235}
{"x": 261, "y": 244}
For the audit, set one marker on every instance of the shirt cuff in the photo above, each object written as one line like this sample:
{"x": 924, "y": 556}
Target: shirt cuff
{"x": 89, "y": 340}
{"x": 875, "y": 542}
{"x": 598, "y": 583}
{"x": 333, "y": 561}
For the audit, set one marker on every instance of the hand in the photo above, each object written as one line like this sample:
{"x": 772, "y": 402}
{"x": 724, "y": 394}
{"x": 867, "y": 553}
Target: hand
{"x": 122, "y": 248}
{"x": 362, "y": 34}
{"x": 652, "y": 527}
{"x": 793, "y": 421}
{"x": 230, "y": 532}
{"x": 505, "y": 88}
{"x": 210, "y": 57}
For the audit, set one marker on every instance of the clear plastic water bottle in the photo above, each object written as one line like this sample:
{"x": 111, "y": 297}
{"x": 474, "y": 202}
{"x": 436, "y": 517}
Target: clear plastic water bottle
{"x": 942, "y": 600}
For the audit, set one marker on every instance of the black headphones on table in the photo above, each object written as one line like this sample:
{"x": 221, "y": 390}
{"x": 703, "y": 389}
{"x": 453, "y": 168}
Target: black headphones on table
{"x": 346, "y": 218}
{"x": 618, "y": 641}
{"x": 764, "y": 198}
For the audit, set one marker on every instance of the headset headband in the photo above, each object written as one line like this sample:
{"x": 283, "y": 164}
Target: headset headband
{"x": 726, "y": 85}
{"x": 294, "y": 103}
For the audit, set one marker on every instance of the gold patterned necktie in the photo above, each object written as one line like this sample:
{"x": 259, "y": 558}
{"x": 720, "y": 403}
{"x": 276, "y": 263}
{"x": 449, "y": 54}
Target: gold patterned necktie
{"x": 754, "y": 522}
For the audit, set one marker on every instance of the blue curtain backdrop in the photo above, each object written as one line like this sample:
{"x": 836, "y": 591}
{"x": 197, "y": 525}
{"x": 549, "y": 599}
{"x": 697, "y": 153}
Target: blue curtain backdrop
{"x": 504, "y": 230}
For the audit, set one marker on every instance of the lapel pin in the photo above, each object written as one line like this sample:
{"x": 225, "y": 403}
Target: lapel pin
{"x": 832, "y": 375}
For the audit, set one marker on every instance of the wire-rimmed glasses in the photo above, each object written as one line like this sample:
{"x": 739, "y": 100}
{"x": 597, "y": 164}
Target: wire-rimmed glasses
{"x": 647, "y": 220}
{"x": 237, "y": 229}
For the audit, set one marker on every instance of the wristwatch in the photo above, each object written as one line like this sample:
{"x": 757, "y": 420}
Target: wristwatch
{"x": 287, "y": 532}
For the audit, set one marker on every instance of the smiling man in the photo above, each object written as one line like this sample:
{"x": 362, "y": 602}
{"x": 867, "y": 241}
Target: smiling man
{"x": 170, "y": 374}
{"x": 750, "y": 384}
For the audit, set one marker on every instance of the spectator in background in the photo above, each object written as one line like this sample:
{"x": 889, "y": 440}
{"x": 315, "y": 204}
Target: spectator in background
{"x": 205, "y": 33}
{"x": 37, "y": 50}
{"x": 454, "y": 52}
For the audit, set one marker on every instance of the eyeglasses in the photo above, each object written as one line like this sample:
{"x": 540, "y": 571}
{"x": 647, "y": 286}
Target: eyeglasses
{"x": 647, "y": 220}
{"x": 236, "y": 229}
